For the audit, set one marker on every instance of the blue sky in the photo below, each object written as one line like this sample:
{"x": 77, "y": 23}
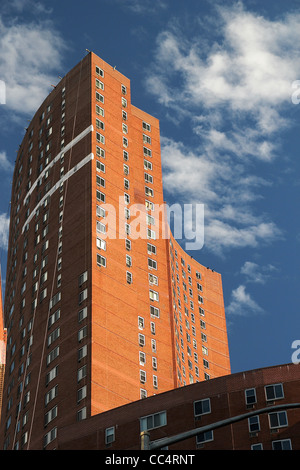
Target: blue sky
{"x": 219, "y": 76}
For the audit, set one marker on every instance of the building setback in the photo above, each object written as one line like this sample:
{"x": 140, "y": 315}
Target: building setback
{"x": 101, "y": 307}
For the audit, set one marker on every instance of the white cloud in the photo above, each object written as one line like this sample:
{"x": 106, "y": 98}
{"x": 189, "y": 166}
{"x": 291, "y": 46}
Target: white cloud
{"x": 30, "y": 56}
{"x": 242, "y": 304}
{"x": 5, "y": 164}
{"x": 4, "y": 229}
{"x": 256, "y": 273}
{"x": 234, "y": 93}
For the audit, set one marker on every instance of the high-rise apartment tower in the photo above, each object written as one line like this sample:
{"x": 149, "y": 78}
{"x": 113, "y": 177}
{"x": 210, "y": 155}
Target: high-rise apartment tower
{"x": 101, "y": 309}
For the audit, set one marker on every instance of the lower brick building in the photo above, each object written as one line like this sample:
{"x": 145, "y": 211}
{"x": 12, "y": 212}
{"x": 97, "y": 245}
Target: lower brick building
{"x": 197, "y": 405}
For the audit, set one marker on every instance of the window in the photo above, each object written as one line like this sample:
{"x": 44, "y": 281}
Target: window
{"x": 50, "y": 436}
{"x": 101, "y": 228}
{"x": 83, "y": 296}
{"x": 146, "y": 139}
{"x": 129, "y": 277}
{"x": 99, "y": 71}
{"x": 99, "y": 111}
{"x": 250, "y": 396}
{"x": 100, "y": 196}
{"x": 141, "y": 339}
{"x": 149, "y": 191}
{"x": 148, "y": 178}
{"x": 154, "y": 311}
{"x": 100, "y": 166}
{"x": 82, "y": 352}
{"x": 101, "y": 244}
{"x": 50, "y": 415}
{"x": 146, "y": 126}
{"x": 81, "y": 393}
{"x": 99, "y": 84}
{"x": 81, "y": 414}
{"x": 278, "y": 419}
{"x": 52, "y": 355}
{"x": 99, "y": 97}
{"x": 82, "y": 314}
{"x": 100, "y": 138}
{"x": 82, "y": 278}
{"x": 153, "y": 279}
{"x": 142, "y": 376}
{"x": 283, "y": 444}
{"x": 274, "y": 391}
{"x": 100, "y": 152}
{"x": 204, "y": 437}
{"x": 153, "y": 295}
{"x": 101, "y": 260}
{"x": 253, "y": 423}
{"x": 100, "y": 212}
{"x": 202, "y": 407}
{"x": 258, "y": 446}
{"x": 153, "y": 421}
{"x": 152, "y": 264}
{"x": 109, "y": 435}
{"x": 151, "y": 249}
{"x": 147, "y": 165}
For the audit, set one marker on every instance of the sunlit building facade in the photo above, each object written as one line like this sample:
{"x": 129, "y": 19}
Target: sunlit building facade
{"x": 102, "y": 307}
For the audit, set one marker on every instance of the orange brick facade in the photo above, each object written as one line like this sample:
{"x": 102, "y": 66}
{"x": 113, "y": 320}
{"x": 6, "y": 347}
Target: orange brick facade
{"x": 100, "y": 309}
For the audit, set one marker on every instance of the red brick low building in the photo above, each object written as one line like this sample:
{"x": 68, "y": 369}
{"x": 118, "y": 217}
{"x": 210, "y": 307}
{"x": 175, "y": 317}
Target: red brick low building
{"x": 197, "y": 405}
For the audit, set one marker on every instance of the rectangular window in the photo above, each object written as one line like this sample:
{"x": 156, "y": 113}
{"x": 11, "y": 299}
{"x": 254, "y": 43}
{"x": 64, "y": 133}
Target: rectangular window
{"x": 153, "y": 421}
{"x": 250, "y": 396}
{"x": 283, "y": 444}
{"x": 149, "y": 192}
{"x": 109, "y": 435}
{"x": 147, "y": 152}
{"x": 202, "y": 407}
{"x": 278, "y": 419}
{"x": 83, "y": 296}
{"x": 99, "y": 124}
{"x": 153, "y": 279}
{"x": 100, "y": 152}
{"x": 253, "y": 423}
{"x": 151, "y": 249}
{"x": 101, "y": 260}
{"x": 154, "y": 311}
{"x": 148, "y": 178}
{"x": 99, "y": 84}
{"x": 99, "y": 71}
{"x": 99, "y": 97}
{"x": 152, "y": 264}
{"x": 53, "y": 355}
{"x": 153, "y": 295}
{"x": 100, "y": 138}
{"x": 146, "y": 126}
{"x": 273, "y": 392}
{"x": 146, "y": 139}
{"x": 99, "y": 111}
{"x": 100, "y": 196}
{"x": 101, "y": 244}
{"x": 147, "y": 165}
